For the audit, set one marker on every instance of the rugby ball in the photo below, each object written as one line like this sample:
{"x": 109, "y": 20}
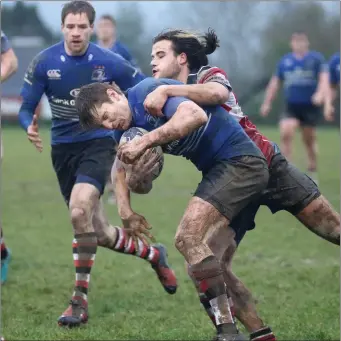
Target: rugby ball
{"x": 135, "y": 133}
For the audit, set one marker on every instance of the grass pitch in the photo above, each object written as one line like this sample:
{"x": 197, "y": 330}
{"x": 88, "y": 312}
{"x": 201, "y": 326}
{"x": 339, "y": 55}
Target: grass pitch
{"x": 293, "y": 274}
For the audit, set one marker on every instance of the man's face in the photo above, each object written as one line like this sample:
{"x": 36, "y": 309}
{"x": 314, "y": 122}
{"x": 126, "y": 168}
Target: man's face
{"x": 164, "y": 62}
{"x": 77, "y": 31}
{"x": 115, "y": 114}
{"x": 299, "y": 43}
{"x": 105, "y": 30}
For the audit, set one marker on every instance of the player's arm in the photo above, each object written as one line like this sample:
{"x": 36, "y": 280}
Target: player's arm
{"x": 33, "y": 88}
{"x": 135, "y": 224}
{"x": 118, "y": 178}
{"x": 183, "y": 117}
{"x": 323, "y": 81}
{"x": 9, "y": 60}
{"x": 213, "y": 88}
{"x": 272, "y": 90}
{"x": 330, "y": 94}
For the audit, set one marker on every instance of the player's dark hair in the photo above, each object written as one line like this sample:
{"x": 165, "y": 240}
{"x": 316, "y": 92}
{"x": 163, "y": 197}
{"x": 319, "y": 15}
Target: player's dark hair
{"x": 195, "y": 46}
{"x": 89, "y": 97}
{"x": 109, "y": 18}
{"x": 78, "y": 7}
{"x": 299, "y": 33}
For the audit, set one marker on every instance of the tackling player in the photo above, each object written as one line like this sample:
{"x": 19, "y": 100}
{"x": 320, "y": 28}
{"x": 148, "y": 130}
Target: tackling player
{"x": 303, "y": 74}
{"x": 174, "y": 54}
{"x": 332, "y": 86}
{"x": 9, "y": 65}
{"x": 82, "y": 159}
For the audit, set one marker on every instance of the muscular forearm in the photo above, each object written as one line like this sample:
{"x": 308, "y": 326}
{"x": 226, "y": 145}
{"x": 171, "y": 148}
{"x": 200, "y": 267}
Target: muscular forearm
{"x": 323, "y": 84}
{"x": 186, "y": 119}
{"x": 122, "y": 193}
{"x": 211, "y": 93}
{"x": 329, "y": 95}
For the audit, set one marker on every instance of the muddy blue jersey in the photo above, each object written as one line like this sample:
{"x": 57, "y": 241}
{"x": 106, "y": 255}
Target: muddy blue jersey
{"x": 300, "y": 76}
{"x": 221, "y": 138}
{"x": 60, "y": 77}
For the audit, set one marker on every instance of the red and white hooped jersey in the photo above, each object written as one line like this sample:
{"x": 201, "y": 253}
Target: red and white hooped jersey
{"x": 214, "y": 74}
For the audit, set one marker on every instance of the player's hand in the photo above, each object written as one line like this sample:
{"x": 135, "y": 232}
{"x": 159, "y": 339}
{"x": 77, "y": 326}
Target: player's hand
{"x": 317, "y": 98}
{"x": 142, "y": 170}
{"x": 155, "y": 101}
{"x": 328, "y": 112}
{"x": 129, "y": 152}
{"x": 265, "y": 109}
{"x": 33, "y": 134}
{"x": 137, "y": 227}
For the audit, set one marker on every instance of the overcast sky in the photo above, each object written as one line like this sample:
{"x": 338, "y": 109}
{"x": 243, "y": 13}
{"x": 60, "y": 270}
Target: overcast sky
{"x": 50, "y": 10}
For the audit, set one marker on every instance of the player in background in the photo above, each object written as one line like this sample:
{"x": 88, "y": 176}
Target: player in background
{"x": 9, "y": 65}
{"x": 332, "y": 87}
{"x": 174, "y": 54}
{"x": 303, "y": 74}
{"x": 106, "y": 32}
{"x": 82, "y": 160}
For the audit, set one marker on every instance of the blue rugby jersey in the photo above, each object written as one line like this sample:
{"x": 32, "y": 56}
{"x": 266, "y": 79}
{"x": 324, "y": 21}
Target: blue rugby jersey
{"x": 60, "y": 77}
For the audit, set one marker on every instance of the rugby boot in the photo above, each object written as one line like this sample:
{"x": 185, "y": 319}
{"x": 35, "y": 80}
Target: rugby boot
{"x": 165, "y": 274}
{"x": 75, "y": 315}
{"x": 4, "y": 267}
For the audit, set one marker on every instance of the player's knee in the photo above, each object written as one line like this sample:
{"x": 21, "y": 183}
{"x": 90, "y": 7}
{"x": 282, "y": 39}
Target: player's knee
{"x": 183, "y": 242}
{"x": 78, "y": 216}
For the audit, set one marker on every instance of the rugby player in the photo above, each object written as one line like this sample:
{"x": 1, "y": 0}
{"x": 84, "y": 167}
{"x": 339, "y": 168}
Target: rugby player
{"x": 174, "y": 54}
{"x": 107, "y": 38}
{"x": 9, "y": 65}
{"x": 303, "y": 74}
{"x": 234, "y": 172}
{"x": 82, "y": 160}
{"x": 332, "y": 87}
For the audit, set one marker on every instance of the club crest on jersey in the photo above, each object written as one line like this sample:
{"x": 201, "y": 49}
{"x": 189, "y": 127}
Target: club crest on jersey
{"x": 98, "y": 74}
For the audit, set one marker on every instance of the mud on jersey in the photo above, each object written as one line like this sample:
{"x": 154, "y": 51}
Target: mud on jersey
{"x": 214, "y": 74}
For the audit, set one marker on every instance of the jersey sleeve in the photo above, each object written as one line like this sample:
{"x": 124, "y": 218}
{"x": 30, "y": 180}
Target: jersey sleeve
{"x": 34, "y": 86}
{"x": 5, "y": 44}
{"x": 171, "y": 106}
{"x": 333, "y": 72}
{"x": 123, "y": 73}
{"x": 214, "y": 74}
{"x": 321, "y": 65}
